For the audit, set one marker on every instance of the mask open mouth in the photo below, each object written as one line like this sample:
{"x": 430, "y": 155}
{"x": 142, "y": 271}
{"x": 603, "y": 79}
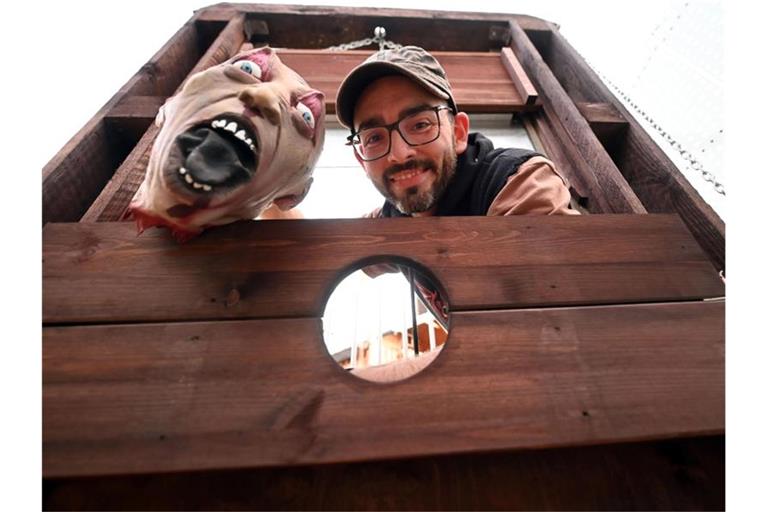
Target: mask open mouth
{"x": 216, "y": 155}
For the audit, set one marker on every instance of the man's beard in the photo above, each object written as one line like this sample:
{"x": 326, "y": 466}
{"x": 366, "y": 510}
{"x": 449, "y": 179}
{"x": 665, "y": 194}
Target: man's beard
{"x": 413, "y": 200}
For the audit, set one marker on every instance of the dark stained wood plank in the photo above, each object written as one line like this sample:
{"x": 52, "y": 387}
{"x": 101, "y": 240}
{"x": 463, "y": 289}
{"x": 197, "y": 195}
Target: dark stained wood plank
{"x": 144, "y": 108}
{"x": 292, "y": 26}
{"x": 123, "y": 399}
{"x": 94, "y": 272}
{"x": 607, "y": 183}
{"x": 113, "y": 201}
{"x": 73, "y": 178}
{"x": 516, "y": 72}
{"x": 597, "y": 114}
{"x": 674, "y": 474}
{"x": 479, "y": 81}
{"x": 654, "y": 178}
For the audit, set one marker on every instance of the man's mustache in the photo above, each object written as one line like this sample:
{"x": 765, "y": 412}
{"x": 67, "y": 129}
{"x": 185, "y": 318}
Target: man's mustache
{"x": 410, "y": 164}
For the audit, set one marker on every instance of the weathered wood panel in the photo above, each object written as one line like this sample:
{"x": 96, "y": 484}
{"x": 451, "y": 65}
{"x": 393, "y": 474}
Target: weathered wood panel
{"x": 480, "y": 81}
{"x": 113, "y": 201}
{"x": 607, "y": 183}
{"x": 291, "y": 26}
{"x": 132, "y": 115}
{"x": 675, "y": 474}
{"x": 97, "y": 272}
{"x": 122, "y": 399}
{"x": 606, "y": 121}
{"x": 78, "y": 172}
{"x": 654, "y": 178}
{"x": 516, "y": 72}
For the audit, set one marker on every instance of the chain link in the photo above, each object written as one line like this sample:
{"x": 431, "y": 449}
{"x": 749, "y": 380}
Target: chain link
{"x": 693, "y": 163}
{"x": 379, "y": 37}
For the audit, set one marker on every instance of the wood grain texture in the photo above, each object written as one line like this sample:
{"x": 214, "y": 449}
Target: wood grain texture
{"x": 113, "y": 201}
{"x": 73, "y": 178}
{"x": 516, "y": 72}
{"x": 292, "y": 26}
{"x": 607, "y": 183}
{"x": 552, "y": 140}
{"x": 100, "y": 272}
{"x": 675, "y": 474}
{"x": 122, "y": 399}
{"x": 654, "y": 178}
{"x": 479, "y": 81}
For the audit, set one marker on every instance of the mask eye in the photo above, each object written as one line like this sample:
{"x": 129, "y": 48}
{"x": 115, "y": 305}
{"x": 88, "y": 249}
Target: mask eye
{"x": 249, "y": 67}
{"x": 306, "y": 114}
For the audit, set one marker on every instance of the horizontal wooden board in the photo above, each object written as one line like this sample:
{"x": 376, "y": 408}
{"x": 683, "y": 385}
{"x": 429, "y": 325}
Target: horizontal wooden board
{"x": 120, "y": 399}
{"x": 103, "y": 272}
{"x": 674, "y": 474}
{"x": 292, "y": 26}
{"x": 479, "y": 80}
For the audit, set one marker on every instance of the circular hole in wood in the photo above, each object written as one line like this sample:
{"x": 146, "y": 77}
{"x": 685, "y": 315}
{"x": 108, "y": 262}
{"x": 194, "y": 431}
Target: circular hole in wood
{"x": 386, "y": 320}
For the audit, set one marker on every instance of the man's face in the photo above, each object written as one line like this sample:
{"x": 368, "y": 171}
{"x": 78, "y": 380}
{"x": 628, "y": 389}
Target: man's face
{"x": 413, "y": 178}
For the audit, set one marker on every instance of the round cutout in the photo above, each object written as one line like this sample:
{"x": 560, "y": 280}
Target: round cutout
{"x": 386, "y": 321}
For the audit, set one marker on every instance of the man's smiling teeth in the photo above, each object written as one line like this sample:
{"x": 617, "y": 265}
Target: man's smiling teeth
{"x": 192, "y": 182}
{"x": 404, "y": 175}
{"x": 232, "y": 127}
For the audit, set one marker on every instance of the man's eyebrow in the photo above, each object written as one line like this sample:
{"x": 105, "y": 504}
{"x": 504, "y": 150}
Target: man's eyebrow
{"x": 379, "y": 121}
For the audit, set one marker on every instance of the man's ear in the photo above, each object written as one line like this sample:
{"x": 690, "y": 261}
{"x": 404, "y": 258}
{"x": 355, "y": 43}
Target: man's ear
{"x": 461, "y": 131}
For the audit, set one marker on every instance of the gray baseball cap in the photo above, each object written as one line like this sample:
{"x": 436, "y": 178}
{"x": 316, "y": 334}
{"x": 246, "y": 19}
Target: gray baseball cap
{"x": 410, "y": 61}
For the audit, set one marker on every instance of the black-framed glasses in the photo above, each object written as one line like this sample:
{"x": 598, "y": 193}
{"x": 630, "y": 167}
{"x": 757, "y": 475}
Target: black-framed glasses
{"x": 416, "y": 129}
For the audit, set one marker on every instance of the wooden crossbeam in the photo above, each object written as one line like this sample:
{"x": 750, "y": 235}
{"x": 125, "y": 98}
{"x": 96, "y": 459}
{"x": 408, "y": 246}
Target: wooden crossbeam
{"x": 142, "y": 398}
{"x": 483, "y": 263}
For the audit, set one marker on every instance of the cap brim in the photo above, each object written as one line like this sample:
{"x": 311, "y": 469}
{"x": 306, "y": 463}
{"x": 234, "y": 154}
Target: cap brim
{"x": 359, "y": 78}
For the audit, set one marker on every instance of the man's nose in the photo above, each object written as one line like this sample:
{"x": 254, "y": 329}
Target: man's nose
{"x": 264, "y": 100}
{"x": 399, "y": 150}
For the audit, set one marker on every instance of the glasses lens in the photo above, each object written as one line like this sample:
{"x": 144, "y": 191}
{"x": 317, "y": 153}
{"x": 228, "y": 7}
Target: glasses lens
{"x": 372, "y": 143}
{"x": 420, "y": 128}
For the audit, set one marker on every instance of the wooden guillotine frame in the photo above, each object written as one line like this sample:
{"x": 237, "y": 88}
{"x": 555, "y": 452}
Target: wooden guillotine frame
{"x": 585, "y": 363}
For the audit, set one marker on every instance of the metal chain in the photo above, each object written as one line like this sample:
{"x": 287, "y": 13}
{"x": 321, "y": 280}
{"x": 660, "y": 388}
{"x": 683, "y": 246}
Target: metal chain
{"x": 693, "y": 163}
{"x": 379, "y": 37}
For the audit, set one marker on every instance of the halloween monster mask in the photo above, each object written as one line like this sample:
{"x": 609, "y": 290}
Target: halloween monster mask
{"x": 237, "y": 138}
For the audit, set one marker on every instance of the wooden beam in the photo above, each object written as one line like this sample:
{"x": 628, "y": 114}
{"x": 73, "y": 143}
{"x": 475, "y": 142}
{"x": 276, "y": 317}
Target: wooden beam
{"x": 292, "y": 26}
{"x": 73, "y": 178}
{"x": 516, "y": 72}
{"x": 674, "y": 474}
{"x": 649, "y": 171}
{"x": 607, "y": 182}
{"x": 480, "y": 81}
{"x": 101, "y": 272}
{"x": 114, "y": 199}
{"x": 141, "y": 398}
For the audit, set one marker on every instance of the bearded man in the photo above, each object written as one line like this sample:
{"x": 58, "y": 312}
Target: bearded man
{"x": 415, "y": 146}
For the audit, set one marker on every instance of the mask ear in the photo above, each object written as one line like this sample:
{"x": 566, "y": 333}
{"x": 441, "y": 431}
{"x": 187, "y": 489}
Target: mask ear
{"x": 291, "y": 201}
{"x": 160, "y": 117}
{"x": 161, "y": 113}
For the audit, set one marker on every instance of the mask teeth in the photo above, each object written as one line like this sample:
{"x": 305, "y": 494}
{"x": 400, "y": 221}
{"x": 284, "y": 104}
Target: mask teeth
{"x": 227, "y": 125}
{"x": 196, "y": 185}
